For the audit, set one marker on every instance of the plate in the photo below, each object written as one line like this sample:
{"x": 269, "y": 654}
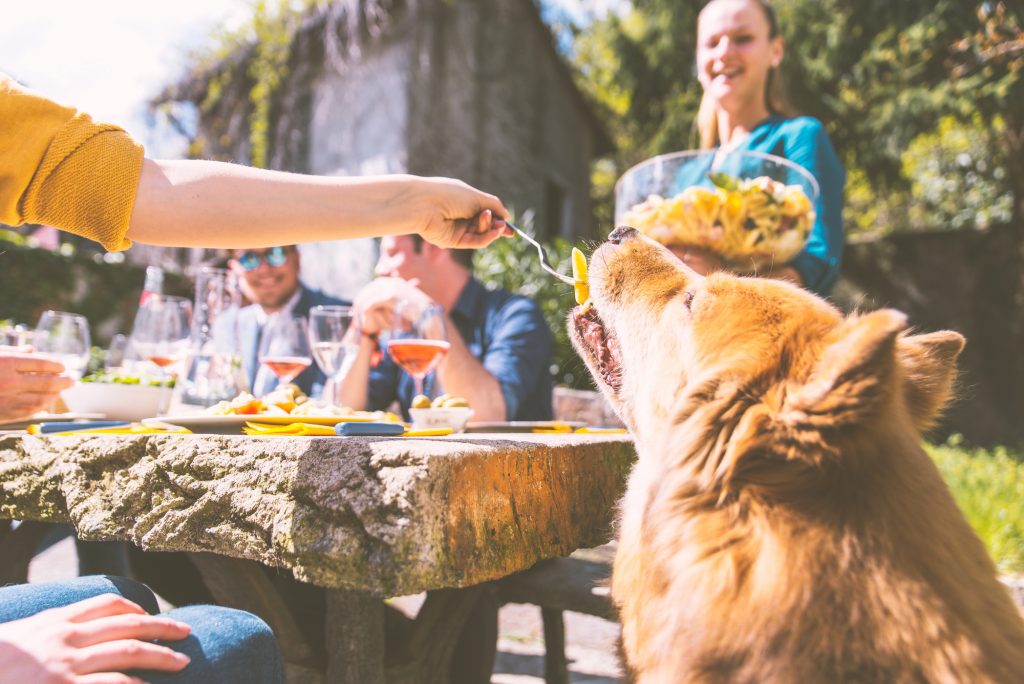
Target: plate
{"x": 566, "y": 426}
{"x": 232, "y": 425}
{"x": 50, "y": 418}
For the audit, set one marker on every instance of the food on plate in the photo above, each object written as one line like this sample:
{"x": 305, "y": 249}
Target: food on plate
{"x": 289, "y": 400}
{"x": 748, "y": 222}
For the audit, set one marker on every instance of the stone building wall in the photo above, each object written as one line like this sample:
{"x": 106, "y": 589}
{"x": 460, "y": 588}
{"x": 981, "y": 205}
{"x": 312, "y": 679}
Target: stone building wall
{"x": 497, "y": 109}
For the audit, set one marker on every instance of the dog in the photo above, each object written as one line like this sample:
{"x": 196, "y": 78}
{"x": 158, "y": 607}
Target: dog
{"x": 783, "y": 523}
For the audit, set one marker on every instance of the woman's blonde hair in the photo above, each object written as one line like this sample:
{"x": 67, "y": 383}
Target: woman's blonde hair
{"x": 774, "y": 91}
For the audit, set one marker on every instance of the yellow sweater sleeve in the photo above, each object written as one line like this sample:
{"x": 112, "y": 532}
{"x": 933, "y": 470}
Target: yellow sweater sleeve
{"x": 60, "y": 168}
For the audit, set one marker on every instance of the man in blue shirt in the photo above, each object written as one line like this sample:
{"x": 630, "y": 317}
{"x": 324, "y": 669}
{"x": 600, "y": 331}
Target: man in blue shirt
{"x": 500, "y": 353}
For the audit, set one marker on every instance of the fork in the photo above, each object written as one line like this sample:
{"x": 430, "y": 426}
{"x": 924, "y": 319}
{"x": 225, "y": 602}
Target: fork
{"x": 544, "y": 262}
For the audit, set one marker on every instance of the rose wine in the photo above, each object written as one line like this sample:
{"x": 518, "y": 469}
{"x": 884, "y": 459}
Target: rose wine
{"x": 286, "y": 368}
{"x": 163, "y": 361}
{"x": 417, "y": 357}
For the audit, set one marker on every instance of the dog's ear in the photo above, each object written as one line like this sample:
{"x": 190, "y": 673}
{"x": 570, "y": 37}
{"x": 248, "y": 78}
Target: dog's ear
{"x": 854, "y": 374}
{"x": 929, "y": 370}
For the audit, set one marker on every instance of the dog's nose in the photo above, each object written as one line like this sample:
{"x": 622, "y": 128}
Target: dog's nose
{"x": 622, "y": 233}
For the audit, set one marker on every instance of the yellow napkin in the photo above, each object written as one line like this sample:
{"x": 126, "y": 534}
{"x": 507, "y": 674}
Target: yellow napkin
{"x": 289, "y": 430}
{"x": 431, "y": 432}
{"x": 557, "y": 428}
{"x": 601, "y": 431}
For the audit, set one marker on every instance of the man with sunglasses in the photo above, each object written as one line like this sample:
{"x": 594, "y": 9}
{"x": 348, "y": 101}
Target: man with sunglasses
{"x": 270, "y": 278}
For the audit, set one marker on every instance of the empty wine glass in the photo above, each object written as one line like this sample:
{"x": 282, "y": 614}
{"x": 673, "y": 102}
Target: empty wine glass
{"x": 284, "y": 347}
{"x": 161, "y": 330}
{"x": 419, "y": 340}
{"x": 64, "y": 337}
{"x": 334, "y": 354}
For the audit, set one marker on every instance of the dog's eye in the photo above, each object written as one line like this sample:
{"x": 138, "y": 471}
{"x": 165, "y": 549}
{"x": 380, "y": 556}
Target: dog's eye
{"x": 688, "y": 298}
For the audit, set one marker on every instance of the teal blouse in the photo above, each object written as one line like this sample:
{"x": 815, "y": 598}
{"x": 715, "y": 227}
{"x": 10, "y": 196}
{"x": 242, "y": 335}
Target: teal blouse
{"x": 803, "y": 140}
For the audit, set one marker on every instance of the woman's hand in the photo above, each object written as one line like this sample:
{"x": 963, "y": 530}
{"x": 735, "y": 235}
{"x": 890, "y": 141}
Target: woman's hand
{"x": 29, "y": 383}
{"x": 89, "y": 642}
{"x": 455, "y": 215}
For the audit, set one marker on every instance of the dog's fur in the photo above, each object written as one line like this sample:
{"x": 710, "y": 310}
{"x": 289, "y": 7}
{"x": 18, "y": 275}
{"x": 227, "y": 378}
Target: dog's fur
{"x": 783, "y": 523}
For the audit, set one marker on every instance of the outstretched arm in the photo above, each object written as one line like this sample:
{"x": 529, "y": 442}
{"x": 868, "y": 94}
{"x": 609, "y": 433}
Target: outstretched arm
{"x": 215, "y": 204}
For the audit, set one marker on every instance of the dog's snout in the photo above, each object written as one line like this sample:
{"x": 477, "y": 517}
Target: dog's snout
{"x": 622, "y": 233}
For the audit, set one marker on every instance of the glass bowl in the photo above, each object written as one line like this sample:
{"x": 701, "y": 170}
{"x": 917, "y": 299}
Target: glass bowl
{"x": 749, "y": 208}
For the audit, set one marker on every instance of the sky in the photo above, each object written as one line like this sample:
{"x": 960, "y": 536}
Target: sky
{"x": 109, "y": 57}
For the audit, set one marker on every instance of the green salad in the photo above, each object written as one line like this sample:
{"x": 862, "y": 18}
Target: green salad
{"x": 118, "y": 378}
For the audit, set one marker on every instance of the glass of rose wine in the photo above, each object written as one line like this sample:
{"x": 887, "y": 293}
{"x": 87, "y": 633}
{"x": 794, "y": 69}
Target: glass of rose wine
{"x": 418, "y": 340}
{"x": 161, "y": 331}
{"x": 284, "y": 347}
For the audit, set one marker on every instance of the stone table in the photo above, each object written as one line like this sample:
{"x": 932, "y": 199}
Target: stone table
{"x": 366, "y": 518}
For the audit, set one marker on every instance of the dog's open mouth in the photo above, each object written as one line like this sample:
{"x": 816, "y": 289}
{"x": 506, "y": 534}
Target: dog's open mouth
{"x": 600, "y": 344}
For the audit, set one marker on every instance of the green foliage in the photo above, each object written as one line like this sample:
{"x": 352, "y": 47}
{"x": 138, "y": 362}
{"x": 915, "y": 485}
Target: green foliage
{"x": 265, "y": 43}
{"x": 34, "y": 280}
{"x": 274, "y": 32}
{"x": 989, "y": 488}
{"x": 513, "y": 264}
{"x": 958, "y": 176}
{"x": 11, "y": 237}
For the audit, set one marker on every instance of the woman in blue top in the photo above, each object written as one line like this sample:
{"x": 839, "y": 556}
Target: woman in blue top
{"x": 739, "y": 50}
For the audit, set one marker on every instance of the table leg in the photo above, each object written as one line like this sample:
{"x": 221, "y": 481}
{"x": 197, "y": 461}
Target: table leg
{"x": 428, "y": 656}
{"x": 355, "y": 638}
{"x": 473, "y": 658}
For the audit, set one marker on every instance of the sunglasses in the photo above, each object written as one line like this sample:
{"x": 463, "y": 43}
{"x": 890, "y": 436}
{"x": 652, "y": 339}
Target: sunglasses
{"x": 275, "y": 257}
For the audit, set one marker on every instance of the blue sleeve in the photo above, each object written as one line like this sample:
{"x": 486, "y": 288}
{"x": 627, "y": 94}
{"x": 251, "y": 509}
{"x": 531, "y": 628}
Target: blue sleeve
{"x": 383, "y": 384}
{"x": 519, "y": 352}
{"x": 818, "y": 264}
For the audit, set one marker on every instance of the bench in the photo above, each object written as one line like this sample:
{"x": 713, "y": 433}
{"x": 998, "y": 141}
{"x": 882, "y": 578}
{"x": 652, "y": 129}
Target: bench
{"x": 578, "y": 583}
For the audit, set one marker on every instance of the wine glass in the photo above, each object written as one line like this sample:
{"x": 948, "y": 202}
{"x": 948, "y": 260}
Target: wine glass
{"x": 418, "y": 340}
{"x": 64, "y": 337}
{"x": 334, "y": 354}
{"x": 284, "y": 346}
{"x": 161, "y": 330}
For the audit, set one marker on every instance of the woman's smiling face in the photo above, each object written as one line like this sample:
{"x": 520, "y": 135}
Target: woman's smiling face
{"x": 735, "y": 51}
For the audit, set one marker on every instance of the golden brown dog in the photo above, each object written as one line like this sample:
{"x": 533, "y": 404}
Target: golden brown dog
{"x": 783, "y": 523}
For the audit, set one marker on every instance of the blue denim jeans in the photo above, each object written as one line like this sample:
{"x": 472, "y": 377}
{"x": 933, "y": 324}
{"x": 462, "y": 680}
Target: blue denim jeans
{"x": 226, "y": 645}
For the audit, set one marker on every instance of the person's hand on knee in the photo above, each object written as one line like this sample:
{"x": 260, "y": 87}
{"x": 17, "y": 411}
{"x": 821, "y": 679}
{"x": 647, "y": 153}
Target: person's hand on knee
{"x": 92, "y": 641}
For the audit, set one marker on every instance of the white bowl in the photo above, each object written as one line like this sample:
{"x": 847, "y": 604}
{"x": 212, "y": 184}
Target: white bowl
{"x": 116, "y": 401}
{"x": 454, "y": 417}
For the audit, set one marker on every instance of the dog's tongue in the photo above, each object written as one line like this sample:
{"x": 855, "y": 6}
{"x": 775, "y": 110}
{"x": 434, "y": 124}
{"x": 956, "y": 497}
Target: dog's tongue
{"x": 593, "y": 333}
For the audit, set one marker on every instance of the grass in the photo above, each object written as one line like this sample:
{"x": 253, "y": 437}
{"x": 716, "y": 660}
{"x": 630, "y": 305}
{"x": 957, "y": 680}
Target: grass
{"x": 989, "y": 487}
